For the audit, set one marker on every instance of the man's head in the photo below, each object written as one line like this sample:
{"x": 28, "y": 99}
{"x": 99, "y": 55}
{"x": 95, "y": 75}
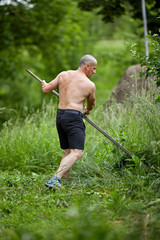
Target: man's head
{"x": 87, "y": 59}
{"x": 89, "y": 64}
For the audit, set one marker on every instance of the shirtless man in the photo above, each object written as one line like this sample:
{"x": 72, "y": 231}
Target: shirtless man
{"x": 74, "y": 87}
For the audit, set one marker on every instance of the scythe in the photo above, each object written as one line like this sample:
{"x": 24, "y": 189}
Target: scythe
{"x": 89, "y": 121}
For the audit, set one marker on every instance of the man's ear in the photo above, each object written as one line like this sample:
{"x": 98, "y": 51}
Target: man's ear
{"x": 87, "y": 66}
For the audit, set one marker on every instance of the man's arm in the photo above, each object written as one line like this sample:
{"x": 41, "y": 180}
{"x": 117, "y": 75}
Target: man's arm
{"x": 90, "y": 100}
{"x": 48, "y": 87}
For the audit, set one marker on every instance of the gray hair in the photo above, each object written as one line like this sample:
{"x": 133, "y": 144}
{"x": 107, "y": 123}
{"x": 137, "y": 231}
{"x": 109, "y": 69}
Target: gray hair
{"x": 87, "y": 59}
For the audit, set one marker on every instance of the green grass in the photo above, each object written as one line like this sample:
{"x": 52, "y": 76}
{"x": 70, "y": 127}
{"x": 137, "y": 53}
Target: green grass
{"x": 108, "y": 196}
{"x": 113, "y": 59}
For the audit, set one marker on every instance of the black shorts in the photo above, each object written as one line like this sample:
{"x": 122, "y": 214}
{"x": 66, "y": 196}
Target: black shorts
{"x": 71, "y": 129}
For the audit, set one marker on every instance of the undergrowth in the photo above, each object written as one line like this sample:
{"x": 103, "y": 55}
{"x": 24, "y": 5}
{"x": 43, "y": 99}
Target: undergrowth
{"x": 109, "y": 194}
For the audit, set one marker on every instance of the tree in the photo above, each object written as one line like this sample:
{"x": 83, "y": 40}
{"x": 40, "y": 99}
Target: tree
{"x": 44, "y": 36}
{"x": 109, "y": 9}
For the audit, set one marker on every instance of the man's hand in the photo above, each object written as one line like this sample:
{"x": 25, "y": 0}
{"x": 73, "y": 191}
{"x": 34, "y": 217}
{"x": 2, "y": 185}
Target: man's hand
{"x": 86, "y": 111}
{"x": 43, "y": 85}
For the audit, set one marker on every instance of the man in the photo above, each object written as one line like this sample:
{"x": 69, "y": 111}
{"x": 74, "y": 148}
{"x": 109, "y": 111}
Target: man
{"x": 74, "y": 87}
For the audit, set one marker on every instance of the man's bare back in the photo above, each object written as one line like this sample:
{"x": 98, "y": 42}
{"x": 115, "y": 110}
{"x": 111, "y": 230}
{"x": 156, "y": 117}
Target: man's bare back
{"x": 74, "y": 87}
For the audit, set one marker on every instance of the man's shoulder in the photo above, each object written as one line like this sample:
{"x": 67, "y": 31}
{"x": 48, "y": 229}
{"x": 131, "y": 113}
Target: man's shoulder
{"x": 91, "y": 83}
{"x": 93, "y": 86}
{"x": 66, "y": 73}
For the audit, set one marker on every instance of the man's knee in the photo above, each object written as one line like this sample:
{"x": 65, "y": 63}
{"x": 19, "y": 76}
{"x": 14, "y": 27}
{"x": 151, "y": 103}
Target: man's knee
{"x": 78, "y": 153}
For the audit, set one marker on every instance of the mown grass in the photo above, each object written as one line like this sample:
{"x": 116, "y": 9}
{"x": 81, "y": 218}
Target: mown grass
{"x": 108, "y": 196}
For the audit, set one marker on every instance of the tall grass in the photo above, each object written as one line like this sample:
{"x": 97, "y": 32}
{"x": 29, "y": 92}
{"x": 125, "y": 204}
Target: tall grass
{"x": 33, "y": 146}
{"x": 32, "y": 143}
{"x": 109, "y": 195}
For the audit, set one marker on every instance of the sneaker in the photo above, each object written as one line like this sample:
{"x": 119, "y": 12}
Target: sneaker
{"x": 54, "y": 182}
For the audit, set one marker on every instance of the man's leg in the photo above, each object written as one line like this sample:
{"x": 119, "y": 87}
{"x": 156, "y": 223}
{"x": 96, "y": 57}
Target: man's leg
{"x": 68, "y": 160}
{"x": 70, "y": 156}
{"x": 65, "y": 153}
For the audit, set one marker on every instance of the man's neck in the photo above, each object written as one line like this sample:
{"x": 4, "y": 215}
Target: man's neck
{"x": 81, "y": 70}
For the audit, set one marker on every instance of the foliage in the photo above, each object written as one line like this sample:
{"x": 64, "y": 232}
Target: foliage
{"x": 111, "y": 66}
{"x": 152, "y": 63}
{"x": 44, "y": 36}
{"x": 110, "y": 55}
{"x": 111, "y": 9}
{"x": 109, "y": 195}
{"x": 48, "y": 25}
{"x": 69, "y": 34}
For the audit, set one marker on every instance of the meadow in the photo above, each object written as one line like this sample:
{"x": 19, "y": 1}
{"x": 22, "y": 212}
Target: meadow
{"x": 109, "y": 195}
